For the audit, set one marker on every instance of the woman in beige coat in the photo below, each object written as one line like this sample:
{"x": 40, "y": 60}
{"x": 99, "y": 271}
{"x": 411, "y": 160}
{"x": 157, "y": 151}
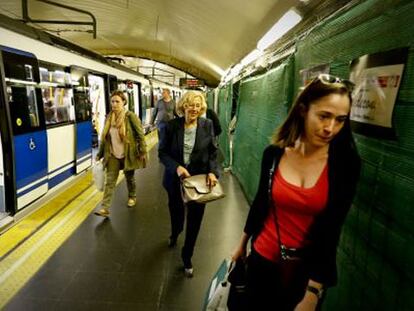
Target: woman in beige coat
{"x": 122, "y": 148}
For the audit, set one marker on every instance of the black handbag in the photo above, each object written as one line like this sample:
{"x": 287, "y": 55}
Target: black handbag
{"x": 237, "y": 300}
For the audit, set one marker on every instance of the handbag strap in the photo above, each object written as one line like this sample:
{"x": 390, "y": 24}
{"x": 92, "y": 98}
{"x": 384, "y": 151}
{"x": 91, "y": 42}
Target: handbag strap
{"x": 272, "y": 207}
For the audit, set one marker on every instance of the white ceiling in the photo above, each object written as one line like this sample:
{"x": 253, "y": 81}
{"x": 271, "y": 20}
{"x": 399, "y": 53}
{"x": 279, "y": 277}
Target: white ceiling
{"x": 201, "y": 37}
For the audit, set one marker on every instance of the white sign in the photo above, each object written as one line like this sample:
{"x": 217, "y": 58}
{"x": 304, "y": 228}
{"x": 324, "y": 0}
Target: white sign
{"x": 375, "y": 94}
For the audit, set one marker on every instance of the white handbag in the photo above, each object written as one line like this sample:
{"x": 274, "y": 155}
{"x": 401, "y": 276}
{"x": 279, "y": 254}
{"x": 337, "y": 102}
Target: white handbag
{"x": 195, "y": 189}
{"x": 98, "y": 173}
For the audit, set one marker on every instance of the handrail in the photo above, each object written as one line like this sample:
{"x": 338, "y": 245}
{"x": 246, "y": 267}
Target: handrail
{"x": 27, "y": 18}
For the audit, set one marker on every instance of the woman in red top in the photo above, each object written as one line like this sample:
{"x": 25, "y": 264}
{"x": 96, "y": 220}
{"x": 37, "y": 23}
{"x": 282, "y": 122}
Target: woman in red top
{"x": 307, "y": 184}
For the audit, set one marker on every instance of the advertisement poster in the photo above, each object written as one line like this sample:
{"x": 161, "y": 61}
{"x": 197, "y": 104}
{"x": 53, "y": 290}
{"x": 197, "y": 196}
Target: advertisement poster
{"x": 377, "y": 79}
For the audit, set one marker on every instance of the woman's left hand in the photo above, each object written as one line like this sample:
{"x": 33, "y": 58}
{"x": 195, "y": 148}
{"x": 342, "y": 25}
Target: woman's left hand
{"x": 211, "y": 180}
{"x": 308, "y": 303}
{"x": 143, "y": 158}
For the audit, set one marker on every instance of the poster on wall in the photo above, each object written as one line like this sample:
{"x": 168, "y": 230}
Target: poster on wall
{"x": 307, "y": 75}
{"x": 377, "y": 79}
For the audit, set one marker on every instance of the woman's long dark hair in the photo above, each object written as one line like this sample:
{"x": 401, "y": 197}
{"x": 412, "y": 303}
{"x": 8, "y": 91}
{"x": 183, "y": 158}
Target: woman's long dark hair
{"x": 293, "y": 127}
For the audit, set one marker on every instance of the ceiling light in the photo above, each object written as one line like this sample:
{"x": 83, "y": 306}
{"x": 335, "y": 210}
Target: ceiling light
{"x": 283, "y": 25}
{"x": 253, "y": 55}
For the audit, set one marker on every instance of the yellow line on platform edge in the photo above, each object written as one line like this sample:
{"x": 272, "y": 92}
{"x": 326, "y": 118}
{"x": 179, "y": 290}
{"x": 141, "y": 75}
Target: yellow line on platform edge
{"x": 17, "y": 268}
{"x": 18, "y": 232}
{"x": 21, "y": 264}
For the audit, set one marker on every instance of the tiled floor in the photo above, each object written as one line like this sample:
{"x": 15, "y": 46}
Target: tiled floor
{"x": 124, "y": 263}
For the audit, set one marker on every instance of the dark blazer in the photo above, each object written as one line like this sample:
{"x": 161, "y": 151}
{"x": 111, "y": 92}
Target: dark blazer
{"x": 323, "y": 235}
{"x": 203, "y": 159}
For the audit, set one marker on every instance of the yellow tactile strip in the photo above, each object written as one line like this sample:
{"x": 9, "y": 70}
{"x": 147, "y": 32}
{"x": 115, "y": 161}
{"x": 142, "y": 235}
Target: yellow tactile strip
{"x": 24, "y": 228}
{"x": 20, "y": 265}
{"x": 28, "y": 245}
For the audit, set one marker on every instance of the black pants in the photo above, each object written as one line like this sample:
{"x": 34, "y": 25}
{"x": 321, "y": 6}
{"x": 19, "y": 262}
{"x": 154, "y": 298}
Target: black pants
{"x": 274, "y": 286}
{"x": 195, "y": 212}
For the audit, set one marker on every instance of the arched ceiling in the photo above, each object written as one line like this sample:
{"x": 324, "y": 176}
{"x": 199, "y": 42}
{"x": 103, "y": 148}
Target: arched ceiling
{"x": 201, "y": 37}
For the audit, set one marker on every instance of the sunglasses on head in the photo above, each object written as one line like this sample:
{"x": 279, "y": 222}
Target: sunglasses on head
{"x": 330, "y": 79}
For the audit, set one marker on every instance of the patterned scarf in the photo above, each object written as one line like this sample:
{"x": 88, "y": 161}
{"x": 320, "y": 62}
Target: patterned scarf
{"x": 118, "y": 121}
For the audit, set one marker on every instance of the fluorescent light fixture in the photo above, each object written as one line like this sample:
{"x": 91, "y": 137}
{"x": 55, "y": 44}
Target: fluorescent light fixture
{"x": 253, "y": 55}
{"x": 233, "y": 72}
{"x": 283, "y": 25}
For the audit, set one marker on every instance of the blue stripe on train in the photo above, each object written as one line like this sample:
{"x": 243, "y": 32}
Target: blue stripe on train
{"x": 55, "y": 170}
{"x": 61, "y": 177}
{"x": 37, "y": 185}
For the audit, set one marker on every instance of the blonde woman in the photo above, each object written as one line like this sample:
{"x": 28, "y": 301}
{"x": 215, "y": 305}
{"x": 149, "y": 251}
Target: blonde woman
{"x": 187, "y": 148}
{"x": 122, "y": 148}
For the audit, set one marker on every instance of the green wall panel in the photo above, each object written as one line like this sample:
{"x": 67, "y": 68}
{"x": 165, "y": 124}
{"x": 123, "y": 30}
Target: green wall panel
{"x": 224, "y": 113}
{"x": 263, "y": 105}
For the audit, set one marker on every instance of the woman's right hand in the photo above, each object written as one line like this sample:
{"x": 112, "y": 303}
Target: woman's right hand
{"x": 240, "y": 251}
{"x": 182, "y": 172}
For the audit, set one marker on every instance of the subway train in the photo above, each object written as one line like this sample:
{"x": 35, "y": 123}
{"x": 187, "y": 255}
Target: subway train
{"x": 53, "y": 103}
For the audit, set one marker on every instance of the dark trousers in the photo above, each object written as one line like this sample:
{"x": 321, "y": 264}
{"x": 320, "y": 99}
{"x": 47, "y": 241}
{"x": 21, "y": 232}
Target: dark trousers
{"x": 195, "y": 212}
{"x": 274, "y": 286}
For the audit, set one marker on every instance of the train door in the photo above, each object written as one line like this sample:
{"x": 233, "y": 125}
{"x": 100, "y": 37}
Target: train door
{"x": 24, "y": 102}
{"x": 132, "y": 100}
{"x": 97, "y": 98}
{"x": 2, "y": 189}
{"x": 146, "y": 98}
{"x": 85, "y": 136}
{"x": 57, "y": 95}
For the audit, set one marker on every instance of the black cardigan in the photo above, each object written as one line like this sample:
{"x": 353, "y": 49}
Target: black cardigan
{"x": 324, "y": 233}
{"x": 203, "y": 159}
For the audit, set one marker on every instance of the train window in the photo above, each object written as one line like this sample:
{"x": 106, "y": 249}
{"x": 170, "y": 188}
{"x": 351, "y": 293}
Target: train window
{"x": 20, "y": 66}
{"x": 23, "y": 108}
{"x": 81, "y": 97}
{"x": 146, "y": 97}
{"x": 57, "y": 95}
{"x": 57, "y": 105}
{"x": 83, "y": 106}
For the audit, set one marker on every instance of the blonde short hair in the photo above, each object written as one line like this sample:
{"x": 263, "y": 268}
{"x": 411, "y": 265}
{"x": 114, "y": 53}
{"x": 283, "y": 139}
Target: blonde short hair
{"x": 188, "y": 98}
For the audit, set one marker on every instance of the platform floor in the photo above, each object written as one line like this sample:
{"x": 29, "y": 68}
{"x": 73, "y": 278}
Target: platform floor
{"x": 123, "y": 263}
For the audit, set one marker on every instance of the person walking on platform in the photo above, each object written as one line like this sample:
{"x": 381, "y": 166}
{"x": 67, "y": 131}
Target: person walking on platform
{"x": 211, "y": 114}
{"x": 308, "y": 180}
{"x": 122, "y": 148}
{"x": 164, "y": 110}
{"x": 187, "y": 148}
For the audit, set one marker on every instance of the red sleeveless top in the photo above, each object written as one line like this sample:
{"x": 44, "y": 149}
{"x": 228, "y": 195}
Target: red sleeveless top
{"x": 295, "y": 211}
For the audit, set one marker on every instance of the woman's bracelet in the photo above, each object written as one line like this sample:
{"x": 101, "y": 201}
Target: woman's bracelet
{"x": 318, "y": 292}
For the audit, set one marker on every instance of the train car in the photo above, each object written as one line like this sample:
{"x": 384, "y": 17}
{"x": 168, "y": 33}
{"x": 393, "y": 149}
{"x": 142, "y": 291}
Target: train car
{"x": 53, "y": 104}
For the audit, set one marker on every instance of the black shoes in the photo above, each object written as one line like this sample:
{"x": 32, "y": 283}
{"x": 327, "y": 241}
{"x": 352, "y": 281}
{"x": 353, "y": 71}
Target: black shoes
{"x": 188, "y": 272}
{"x": 188, "y": 266}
